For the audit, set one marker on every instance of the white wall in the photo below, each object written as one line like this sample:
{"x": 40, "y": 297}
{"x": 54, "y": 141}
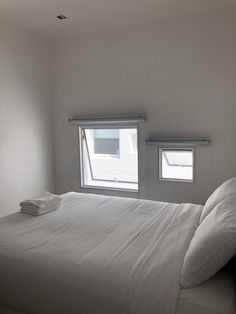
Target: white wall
{"x": 180, "y": 73}
{"x": 25, "y": 126}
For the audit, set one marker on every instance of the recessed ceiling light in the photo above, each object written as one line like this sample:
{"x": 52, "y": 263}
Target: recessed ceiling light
{"x": 61, "y": 17}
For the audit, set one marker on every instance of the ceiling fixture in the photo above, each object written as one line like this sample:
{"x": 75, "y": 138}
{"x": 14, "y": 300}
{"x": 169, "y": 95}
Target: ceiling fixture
{"x": 61, "y": 17}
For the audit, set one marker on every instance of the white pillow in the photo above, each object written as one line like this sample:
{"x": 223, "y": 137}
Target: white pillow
{"x": 225, "y": 190}
{"x": 212, "y": 246}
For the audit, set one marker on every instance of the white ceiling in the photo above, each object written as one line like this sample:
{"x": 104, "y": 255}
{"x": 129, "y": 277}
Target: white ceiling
{"x": 93, "y": 15}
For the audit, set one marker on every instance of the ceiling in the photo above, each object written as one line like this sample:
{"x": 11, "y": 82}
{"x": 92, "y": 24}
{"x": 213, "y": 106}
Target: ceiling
{"x": 94, "y": 15}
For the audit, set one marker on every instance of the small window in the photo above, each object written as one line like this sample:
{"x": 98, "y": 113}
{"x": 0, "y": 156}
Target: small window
{"x": 109, "y": 157}
{"x": 176, "y": 164}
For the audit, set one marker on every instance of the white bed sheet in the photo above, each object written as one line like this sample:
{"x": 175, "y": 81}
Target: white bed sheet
{"x": 96, "y": 254}
{"x": 215, "y": 296}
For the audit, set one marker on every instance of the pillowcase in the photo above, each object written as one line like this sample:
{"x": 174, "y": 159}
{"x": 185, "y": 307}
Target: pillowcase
{"x": 227, "y": 189}
{"x": 212, "y": 246}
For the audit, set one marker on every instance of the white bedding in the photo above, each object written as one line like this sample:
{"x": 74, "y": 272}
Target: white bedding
{"x": 96, "y": 254}
{"x": 215, "y": 296}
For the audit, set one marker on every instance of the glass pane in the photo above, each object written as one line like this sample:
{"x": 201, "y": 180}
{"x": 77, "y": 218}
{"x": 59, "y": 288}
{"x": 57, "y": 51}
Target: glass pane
{"x": 109, "y": 159}
{"x": 177, "y": 164}
{"x": 106, "y": 146}
{"x": 134, "y": 142}
{"x": 179, "y": 158}
{"x": 106, "y": 141}
{"x": 106, "y": 133}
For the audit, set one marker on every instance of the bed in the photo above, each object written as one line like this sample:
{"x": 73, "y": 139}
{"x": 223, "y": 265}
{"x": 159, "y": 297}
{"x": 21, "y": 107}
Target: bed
{"x": 101, "y": 254}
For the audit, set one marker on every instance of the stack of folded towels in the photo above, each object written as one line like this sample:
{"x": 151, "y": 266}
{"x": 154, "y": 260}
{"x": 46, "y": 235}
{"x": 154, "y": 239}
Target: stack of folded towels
{"x": 42, "y": 204}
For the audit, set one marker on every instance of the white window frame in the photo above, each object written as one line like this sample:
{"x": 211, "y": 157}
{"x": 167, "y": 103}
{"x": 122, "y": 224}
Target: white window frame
{"x": 160, "y": 150}
{"x": 110, "y": 125}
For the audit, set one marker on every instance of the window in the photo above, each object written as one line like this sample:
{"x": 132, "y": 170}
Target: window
{"x": 109, "y": 157}
{"x": 176, "y": 164}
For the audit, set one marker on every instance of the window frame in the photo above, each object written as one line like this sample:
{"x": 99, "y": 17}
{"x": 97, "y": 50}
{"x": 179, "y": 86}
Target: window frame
{"x": 180, "y": 148}
{"x": 110, "y": 125}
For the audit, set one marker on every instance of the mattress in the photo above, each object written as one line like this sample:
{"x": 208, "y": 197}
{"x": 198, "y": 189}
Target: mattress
{"x": 215, "y": 296}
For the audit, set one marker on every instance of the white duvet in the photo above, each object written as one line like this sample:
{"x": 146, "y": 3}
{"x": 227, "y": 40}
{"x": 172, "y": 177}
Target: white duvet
{"x": 96, "y": 255}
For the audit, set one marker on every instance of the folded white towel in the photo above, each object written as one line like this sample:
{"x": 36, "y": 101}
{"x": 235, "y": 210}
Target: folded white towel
{"x": 41, "y": 204}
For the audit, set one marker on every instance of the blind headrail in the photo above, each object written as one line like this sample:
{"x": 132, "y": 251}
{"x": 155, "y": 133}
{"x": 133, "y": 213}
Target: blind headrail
{"x": 178, "y": 141}
{"x": 85, "y": 120}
